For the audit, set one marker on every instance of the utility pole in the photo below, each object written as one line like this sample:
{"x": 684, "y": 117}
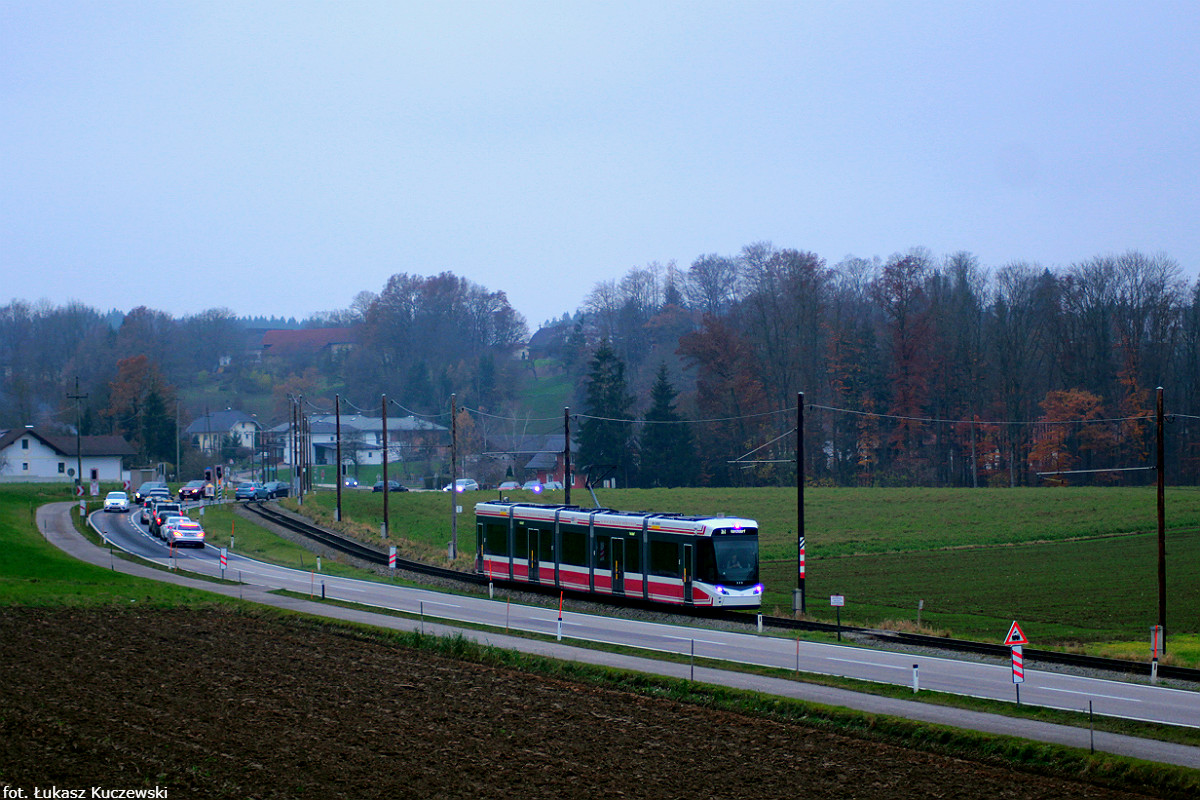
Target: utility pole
{"x": 800, "y": 566}
{"x": 453, "y": 477}
{"x": 78, "y": 434}
{"x": 1162, "y": 520}
{"x": 337, "y": 435}
{"x": 383, "y": 417}
{"x": 567, "y": 454}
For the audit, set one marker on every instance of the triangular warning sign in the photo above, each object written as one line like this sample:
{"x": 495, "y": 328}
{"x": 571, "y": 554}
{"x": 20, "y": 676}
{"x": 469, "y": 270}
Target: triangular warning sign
{"x": 1015, "y": 635}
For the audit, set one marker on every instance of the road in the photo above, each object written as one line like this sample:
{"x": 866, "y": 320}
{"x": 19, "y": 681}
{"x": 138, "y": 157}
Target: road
{"x": 1156, "y": 704}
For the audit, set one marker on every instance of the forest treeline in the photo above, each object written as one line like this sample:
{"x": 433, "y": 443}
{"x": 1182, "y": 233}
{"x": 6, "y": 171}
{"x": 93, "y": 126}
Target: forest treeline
{"x": 915, "y": 370}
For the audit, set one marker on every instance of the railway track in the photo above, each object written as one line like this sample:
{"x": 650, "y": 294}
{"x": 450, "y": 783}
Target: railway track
{"x": 1033, "y": 656}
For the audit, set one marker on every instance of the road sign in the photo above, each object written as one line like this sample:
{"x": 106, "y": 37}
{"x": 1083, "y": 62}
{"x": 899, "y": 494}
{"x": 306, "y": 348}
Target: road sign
{"x": 1018, "y": 664}
{"x": 224, "y": 558}
{"x": 837, "y": 600}
{"x": 79, "y": 490}
{"x": 392, "y": 557}
{"x": 1015, "y": 635}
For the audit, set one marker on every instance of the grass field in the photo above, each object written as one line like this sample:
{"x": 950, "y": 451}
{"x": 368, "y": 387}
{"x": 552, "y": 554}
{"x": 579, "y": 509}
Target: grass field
{"x": 1074, "y": 566}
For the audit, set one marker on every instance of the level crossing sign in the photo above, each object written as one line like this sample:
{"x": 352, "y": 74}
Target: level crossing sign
{"x": 1015, "y": 635}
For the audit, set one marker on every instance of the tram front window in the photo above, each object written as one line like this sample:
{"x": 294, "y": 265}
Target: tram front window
{"x": 736, "y": 559}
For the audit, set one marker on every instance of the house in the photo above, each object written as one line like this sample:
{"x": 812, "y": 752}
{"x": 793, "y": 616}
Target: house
{"x": 27, "y": 454}
{"x": 539, "y": 457}
{"x": 409, "y": 439}
{"x": 307, "y": 342}
{"x": 208, "y": 431}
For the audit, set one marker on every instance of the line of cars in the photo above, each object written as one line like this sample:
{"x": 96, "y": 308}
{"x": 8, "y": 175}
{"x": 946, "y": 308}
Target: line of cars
{"x": 163, "y": 516}
{"x": 257, "y": 490}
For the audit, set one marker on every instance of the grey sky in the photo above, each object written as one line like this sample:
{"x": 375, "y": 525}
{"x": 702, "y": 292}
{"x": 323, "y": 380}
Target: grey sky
{"x": 279, "y": 158}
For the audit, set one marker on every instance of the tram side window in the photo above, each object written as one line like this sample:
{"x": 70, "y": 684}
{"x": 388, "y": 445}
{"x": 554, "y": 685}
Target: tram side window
{"x": 664, "y": 559}
{"x": 633, "y": 554}
{"x": 495, "y": 539}
{"x": 546, "y": 545}
{"x": 706, "y": 561}
{"x": 521, "y": 543}
{"x": 603, "y": 552}
{"x": 574, "y": 548}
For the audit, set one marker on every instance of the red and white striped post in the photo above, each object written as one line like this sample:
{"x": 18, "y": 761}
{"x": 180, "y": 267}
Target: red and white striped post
{"x": 1018, "y": 669}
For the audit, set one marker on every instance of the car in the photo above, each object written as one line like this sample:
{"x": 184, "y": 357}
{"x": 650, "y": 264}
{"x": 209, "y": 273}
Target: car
{"x": 277, "y": 489}
{"x": 351, "y": 482}
{"x": 463, "y": 485}
{"x": 168, "y": 522}
{"x": 147, "y": 510}
{"x": 250, "y": 490}
{"x": 508, "y": 486}
{"x": 116, "y": 501}
{"x": 161, "y": 511}
{"x": 192, "y": 490}
{"x": 533, "y": 486}
{"x": 393, "y": 486}
{"x": 143, "y": 491}
{"x": 553, "y": 485}
{"x": 184, "y": 533}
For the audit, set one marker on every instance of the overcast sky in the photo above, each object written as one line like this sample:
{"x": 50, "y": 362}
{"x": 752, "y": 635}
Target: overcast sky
{"x": 280, "y": 158}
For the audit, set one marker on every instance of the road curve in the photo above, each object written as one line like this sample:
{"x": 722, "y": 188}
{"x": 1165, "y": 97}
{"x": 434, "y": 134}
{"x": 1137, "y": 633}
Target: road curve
{"x": 259, "y": 580}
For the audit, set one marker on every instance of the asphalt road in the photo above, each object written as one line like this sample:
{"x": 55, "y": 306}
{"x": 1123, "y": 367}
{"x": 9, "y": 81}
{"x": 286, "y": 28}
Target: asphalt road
{"x": 1106, "y": 697}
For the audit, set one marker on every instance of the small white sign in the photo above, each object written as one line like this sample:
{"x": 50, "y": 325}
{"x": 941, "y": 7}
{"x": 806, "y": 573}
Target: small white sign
{"x": 837, "y": 600}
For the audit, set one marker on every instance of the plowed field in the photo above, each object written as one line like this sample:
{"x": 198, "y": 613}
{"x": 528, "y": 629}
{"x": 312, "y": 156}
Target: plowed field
{"x": 218, "y": 705}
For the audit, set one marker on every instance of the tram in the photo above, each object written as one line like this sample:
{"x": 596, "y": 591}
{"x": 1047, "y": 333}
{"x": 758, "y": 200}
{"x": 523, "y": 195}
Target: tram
{"x": 702, "y": 561}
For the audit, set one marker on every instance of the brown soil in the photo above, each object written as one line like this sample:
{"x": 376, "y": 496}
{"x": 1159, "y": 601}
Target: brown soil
{"x": 212, "y": 704}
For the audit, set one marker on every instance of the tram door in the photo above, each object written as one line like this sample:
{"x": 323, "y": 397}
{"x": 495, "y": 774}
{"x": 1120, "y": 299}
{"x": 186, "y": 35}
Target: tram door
{"x": 688, "y": 568}
{"x": 534, "y": 546}
{"x": 618, "y": 565}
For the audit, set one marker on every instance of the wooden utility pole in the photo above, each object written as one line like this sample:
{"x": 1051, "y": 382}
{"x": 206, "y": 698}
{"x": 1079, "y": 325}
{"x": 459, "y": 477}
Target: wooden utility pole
{"x": 383, "y": 417}
{"x": 1162, "y": 520}
{"x": 453, "y": 477}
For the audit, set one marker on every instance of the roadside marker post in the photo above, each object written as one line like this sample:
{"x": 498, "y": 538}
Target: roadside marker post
{"x": 224, "y": 561}
{"x": 392, "y": 558}
{"x": 1016, "y": 640}
{"x": 1156, "y": 632}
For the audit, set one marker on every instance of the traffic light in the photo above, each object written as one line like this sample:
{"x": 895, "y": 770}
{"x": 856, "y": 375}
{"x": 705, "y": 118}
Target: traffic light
{"x": 208, "y": 476}
{"x": 220, "y": 471}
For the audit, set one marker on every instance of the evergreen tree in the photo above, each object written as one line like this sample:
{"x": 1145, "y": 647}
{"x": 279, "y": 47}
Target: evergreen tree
{"x": 606, "y": 433}
{"x": 668, "y": 457}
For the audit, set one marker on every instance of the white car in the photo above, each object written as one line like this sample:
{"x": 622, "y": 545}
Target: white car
{"x": 184, "y": 533}
{"x": 168, "y": 522}
{"x": 116, "y": 501}
{"x": 463, "y": 485}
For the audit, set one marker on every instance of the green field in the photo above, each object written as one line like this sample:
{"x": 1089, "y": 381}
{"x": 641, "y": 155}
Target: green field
{"x": 1073, "y": 565}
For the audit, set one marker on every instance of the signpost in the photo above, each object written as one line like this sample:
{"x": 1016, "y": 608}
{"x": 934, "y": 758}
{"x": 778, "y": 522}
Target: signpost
{"x": 837, "y": 601}
{"x": 1016, "y": 640}
{"x": 1156, "y": 633}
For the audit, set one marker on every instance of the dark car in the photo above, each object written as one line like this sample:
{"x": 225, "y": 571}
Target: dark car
{"x": 192, "y": 490}
{"x": 276, "y": 489}
{"x": 144, "y": 490}
{"x": 250, "y": 490}
{"x": 393, "y": 486}
{"x": 161, "y": 512}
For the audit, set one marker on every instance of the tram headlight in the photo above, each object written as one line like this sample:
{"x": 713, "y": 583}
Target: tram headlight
{"x": 758, "y": 588}
{"x": 721, "y": 589}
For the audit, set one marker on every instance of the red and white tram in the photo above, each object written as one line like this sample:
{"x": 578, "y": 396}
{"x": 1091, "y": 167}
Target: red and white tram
{"x": 662, "y": 558}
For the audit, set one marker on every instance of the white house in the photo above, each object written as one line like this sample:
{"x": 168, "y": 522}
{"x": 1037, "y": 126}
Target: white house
{"x": 208, "y": 431}
{"x": 362, "y": 438}
{"x": 27, "y": 454}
